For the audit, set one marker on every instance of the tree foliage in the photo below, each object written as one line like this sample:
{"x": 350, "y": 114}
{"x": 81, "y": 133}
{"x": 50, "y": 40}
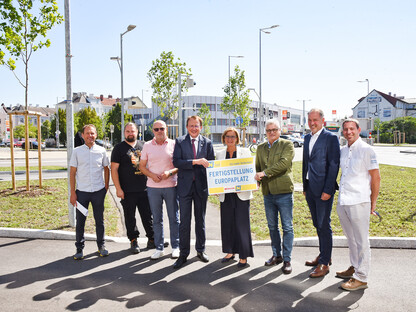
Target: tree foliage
{"x": 113, "y": 117}
{"x": 88, "y": 116}
{"x": 23, "y": 28}
{"x": 19, "y": 131}
{"x": 45, "y": 129}
{"x": 205, "y": 114}
{"x": 236, "y": 99}
{"x": 163, "y": 77}
{"x": 405, "y": 125}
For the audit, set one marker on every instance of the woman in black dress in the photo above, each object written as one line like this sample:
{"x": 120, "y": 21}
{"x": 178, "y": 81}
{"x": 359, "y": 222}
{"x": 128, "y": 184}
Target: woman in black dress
{"x": 235, "y": 207}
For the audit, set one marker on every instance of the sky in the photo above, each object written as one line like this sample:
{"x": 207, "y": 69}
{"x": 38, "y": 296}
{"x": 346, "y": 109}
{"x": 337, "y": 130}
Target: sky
{"x": 319, "y": 52}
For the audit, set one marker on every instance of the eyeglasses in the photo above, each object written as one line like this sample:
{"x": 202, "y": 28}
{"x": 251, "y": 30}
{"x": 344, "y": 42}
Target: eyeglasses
{"x": 230, "y": 137}
{"x": 272, "y": 130}
{"x": 157, "y": 129}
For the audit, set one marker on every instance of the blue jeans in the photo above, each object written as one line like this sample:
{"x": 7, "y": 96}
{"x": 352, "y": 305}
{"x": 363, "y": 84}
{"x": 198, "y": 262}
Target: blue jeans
{"x": 156, "y": 197}
{"x": 283, "y": 204}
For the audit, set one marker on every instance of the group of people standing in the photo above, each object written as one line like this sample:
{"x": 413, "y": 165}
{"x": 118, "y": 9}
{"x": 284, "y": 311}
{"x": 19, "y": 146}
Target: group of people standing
{"x": 174, "y": 172}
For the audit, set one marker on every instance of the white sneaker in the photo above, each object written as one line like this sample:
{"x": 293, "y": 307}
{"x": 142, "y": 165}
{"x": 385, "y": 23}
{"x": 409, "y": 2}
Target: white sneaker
{"x": 175, "y": 253}
{"x": 157, "y": 254}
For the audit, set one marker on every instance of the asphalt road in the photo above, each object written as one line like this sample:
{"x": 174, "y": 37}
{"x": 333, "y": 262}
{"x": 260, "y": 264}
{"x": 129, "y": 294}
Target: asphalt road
{"x": 40, "y": 275}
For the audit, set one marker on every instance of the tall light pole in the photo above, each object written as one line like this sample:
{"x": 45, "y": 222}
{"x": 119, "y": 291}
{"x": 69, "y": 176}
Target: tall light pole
{"x": 303, "y": 120}
{"x": 368, "y": 84}
{"x": 120, "y": 64}
{"x": 262, "y": 30}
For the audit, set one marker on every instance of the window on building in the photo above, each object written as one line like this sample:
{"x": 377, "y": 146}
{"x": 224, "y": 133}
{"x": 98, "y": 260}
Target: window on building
{"x": 387, "y": 112}
{"x": 295, "y": 119}
{"x": 146, "y": 116}
{"x": 361, "y": 114}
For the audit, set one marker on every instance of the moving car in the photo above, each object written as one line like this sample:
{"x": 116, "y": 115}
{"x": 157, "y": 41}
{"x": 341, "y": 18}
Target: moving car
{"x": 297, "y": 142}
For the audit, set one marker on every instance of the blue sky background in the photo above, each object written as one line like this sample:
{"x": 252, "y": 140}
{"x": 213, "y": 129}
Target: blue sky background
{"x": 319, "y": 52}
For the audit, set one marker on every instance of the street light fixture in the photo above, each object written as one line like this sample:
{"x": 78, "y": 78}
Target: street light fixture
{"x": 368, "y": 84}
{"x": 120, "y": 64}
{"x": 262, "y": 30}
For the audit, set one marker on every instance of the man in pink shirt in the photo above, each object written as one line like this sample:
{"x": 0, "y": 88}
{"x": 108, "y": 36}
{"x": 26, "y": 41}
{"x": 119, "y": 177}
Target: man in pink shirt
{"x": 156, "y": 164}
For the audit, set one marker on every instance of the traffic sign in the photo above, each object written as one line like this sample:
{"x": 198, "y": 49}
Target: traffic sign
{"x": 239, "y": 120}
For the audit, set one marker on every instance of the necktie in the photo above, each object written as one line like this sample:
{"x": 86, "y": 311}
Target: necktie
{"x": 193, "y": 147}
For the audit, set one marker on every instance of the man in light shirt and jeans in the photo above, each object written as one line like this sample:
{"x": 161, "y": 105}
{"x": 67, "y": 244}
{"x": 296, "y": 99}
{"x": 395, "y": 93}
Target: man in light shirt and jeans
{"x": 88, "y": 185}
{"x": 156, "y": 164}
{"x": 358, "y": 192}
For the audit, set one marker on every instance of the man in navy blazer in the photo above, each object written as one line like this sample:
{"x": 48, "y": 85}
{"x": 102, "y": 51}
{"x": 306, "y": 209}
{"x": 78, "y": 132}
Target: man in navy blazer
{"x": 321, "y": 155}
{"x": 190, "y": 156}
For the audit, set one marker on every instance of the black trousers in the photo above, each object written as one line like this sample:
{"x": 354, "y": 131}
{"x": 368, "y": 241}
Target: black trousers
{"x": 130, "y": 202}
{"x": 97, "y": 201}
{"x": 235, "y": 226}
{"x": 185, "y": 208}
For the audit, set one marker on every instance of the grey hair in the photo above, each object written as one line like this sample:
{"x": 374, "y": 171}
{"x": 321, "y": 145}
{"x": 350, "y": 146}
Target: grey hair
{"x": 317, "y": 110}
{"x": 273, "y": 121}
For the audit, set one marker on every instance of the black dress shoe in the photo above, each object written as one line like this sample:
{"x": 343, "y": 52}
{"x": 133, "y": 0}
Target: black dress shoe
{"x": 203, "y": 256}
{"x": 242, "y": 264}
{"x": 286, "y": 268}
{"x": 274, "y": 260}
{"x": 181, "y": 260}
{"x": 225, "y": 259}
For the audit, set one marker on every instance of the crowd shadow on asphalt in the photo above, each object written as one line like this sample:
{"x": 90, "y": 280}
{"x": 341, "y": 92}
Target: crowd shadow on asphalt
{"x": 213, "y": 286}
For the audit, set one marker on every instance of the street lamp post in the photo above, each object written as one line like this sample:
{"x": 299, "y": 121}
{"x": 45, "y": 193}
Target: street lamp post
{"x": 262, "y": 30}
{"x": 368, "y": 84}
{"x": 303, "y": 120}
{"x": 120, "y": 64}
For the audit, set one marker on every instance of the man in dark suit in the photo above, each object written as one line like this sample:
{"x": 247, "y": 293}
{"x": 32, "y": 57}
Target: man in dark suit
{"x": 321, "y": 154}
{"x": 190, "y": 156}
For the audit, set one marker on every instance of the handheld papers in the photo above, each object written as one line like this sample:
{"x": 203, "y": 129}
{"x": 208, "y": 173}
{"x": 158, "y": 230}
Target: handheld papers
{"x": 82, "y": 209}
{"x": 231, "y": 175}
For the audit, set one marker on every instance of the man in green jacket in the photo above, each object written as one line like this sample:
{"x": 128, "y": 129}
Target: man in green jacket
{"x": 274, "y": 173}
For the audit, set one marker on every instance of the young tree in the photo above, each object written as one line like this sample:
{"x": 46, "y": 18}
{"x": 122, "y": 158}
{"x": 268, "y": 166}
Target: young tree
{"x": 23, "y": 28}
{"x": 236, "y": 99}
{"x": 205, "y": 114}
{"x": 163, "y": 76}
{"x": 113, "y": 117}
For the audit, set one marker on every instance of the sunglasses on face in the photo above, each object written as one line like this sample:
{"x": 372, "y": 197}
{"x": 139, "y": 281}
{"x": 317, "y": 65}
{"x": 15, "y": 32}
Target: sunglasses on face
{"x": 157, "y": 129}
{"x": 271, "y": 130}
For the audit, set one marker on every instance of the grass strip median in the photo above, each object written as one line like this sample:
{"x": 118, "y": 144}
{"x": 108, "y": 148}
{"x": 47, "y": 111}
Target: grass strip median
{"x": 396, "y": 204}
{"x": 47, "y": 208}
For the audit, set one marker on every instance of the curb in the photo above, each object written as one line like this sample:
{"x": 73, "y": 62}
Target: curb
{"x": 338, "y": 241}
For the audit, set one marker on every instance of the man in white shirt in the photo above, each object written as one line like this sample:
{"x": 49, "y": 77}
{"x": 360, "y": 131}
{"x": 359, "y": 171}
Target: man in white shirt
{"x": 358, "y": 192}
{"x": 88, "y": 185}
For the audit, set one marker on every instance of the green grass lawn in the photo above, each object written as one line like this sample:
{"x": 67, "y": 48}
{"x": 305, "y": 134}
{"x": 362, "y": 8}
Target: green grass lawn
{"x": 396, "y": 204}
{"x": 47, "y": 208}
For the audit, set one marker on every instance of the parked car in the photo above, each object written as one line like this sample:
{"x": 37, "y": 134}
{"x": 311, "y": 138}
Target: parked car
{"x": 2, "y": 144}
{"x": 297, "y": 142}
{"x": 34, "y": 145}
{"x": 18, "y": 143}
{"x": 106, "y": 145}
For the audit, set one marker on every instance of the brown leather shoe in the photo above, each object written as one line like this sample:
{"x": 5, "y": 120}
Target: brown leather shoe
{"x": 274, "y": 260}
{"x": 354, "y": 284}
{"x": 347, "y": 273}
{"x": 286, "y": 268}
{"x": 315, "y": 262}
{"x": 320, "y": 270}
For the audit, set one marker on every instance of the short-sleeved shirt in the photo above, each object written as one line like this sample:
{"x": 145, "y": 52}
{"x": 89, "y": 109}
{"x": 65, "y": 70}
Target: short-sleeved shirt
{"x": 90, "y": 163}
{"x": 128, "y": 158}
{"x": 159, "y": 159}
{"x": 355, "y": 184}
